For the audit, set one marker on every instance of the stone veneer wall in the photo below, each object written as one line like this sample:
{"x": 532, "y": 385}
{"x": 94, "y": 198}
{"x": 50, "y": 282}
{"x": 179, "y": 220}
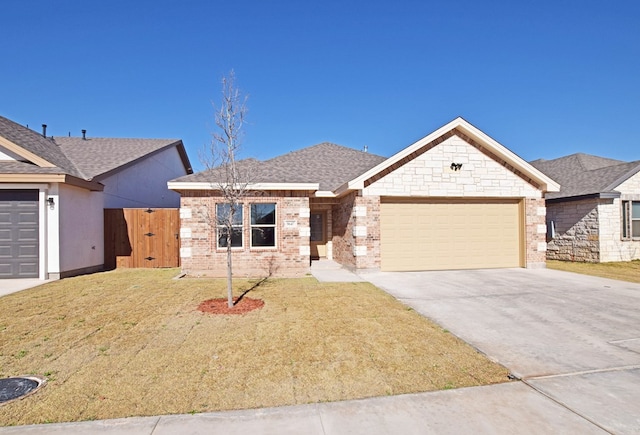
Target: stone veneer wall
{"x": 612, "y": 247}
{"x": 430, "y": 175}
{"x": 590, "y": 230}
{"x": 200, "y": 255}
{"x": 576, "y": 231}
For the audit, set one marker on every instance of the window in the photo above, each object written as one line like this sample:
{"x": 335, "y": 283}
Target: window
{"x": 263, "y": 225}
{"x": 223, "y": 216}
{"x": 630, "y": 219}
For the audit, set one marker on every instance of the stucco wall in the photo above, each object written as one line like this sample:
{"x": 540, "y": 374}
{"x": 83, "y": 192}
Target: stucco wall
{"x": 200, "y": 255}
{"x": 81, "y": 231}
{"x": 145, "y": 183}
{"x": 430, "y": 174}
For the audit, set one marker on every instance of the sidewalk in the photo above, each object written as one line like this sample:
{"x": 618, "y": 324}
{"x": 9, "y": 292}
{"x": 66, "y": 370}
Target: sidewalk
{"x": 511, "y": 408}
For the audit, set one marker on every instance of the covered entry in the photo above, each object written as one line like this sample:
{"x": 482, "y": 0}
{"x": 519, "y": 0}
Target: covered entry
{"x": 450, "y": 234}
{"x": 19, "y": 234}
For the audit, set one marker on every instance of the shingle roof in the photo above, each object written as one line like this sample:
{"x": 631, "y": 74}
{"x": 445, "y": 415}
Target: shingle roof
{"x": 36, "y": 144}
{"x": 328, "y": 164}
{"x": 86, "y": 159}
{"x": 95, "y": 156}
{"x": 584, "y": 174}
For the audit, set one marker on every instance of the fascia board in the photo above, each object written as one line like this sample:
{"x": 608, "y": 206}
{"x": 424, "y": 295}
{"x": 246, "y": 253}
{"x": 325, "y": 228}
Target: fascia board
{"x": 358, "y": 183}
{"x": 325, "y": 194}
{"x": 199, "y": 185}
{"x": 51, "y": 178}
{"x": 28, "y": 155}
{"x": 511, "y": 157}
{"x": 623, "y": 178}
{"x": 548, "y": 184}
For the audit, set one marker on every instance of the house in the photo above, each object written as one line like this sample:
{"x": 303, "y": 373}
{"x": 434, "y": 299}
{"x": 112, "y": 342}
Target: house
{"x": 53, "y": 192}
{"x": 595, "y": 217}
{"x": 455, "y": 199}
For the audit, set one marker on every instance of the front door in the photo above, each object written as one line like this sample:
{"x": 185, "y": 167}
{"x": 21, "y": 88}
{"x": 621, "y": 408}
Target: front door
{"x": 318, "y": 235}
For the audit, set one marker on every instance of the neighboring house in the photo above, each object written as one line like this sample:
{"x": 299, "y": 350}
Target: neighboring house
{"x": 596, "y": 215}
{"x": 455, "y": 199}
{"x": 53, "y": 192}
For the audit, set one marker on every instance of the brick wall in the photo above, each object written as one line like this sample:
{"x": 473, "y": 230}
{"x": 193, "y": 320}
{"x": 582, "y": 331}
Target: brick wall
{"x": 535, "y": 232}
{"x": 356, "y": 232}
{"x": 342, "y": 232}
{"x": 199, "y": 252}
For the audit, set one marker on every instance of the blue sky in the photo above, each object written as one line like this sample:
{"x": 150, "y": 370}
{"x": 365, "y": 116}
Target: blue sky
{"x": 544, "y": 78}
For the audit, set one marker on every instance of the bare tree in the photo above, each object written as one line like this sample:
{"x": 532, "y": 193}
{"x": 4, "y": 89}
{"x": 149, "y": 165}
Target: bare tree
{"x": 228, "y": 175}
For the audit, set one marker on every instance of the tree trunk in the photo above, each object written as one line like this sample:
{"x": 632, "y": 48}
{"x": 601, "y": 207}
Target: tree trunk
{"x": 229, "y": 275}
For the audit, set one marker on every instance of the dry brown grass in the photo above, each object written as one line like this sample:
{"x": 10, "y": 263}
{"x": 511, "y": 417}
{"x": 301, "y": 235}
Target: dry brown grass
{"x": 131, "y": 343}
{"x": 622, "y": 270}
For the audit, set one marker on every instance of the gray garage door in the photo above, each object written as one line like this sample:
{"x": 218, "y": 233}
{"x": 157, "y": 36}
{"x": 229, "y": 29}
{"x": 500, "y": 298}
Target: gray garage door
{"x": 18, "y": 234}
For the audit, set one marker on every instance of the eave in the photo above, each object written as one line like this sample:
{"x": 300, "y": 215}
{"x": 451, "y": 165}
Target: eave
{"x": 52, "y": 178}
{"x": 25, "y": 154}
{"x": 598, "y": 195}
{"x": 199, "y": 185}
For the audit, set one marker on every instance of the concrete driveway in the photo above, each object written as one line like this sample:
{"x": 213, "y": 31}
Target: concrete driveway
{"x": 574, "y": 338}
{"x": 8, "y": 286}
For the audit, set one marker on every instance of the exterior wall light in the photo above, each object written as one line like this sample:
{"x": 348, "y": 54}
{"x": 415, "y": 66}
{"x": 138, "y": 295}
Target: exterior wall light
{"x": 456, "y": 166}
{"x": 51, "y": 203}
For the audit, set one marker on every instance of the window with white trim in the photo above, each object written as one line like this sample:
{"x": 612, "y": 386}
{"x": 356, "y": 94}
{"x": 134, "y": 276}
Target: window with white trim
{"x": 630, "y": 220}
{"x": 263, "y": 225}
{"x": 223, "y": 218}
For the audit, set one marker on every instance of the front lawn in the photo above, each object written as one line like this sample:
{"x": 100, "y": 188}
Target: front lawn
{"x": 622, "y": 270}
{"x": 132, "y": 343}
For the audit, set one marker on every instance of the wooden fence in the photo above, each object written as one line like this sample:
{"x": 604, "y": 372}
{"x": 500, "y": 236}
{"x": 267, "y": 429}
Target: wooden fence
{"x": 136, "y": 237}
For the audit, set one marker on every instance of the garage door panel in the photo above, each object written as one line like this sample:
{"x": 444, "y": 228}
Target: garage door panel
{"x": 27, "y": 234}
{"x": 5, "y": 235}
{"x": 449, "y": 235}
{"x": 19, "y": 234}
{"x": 26, "y": 251}
{"x": 28, "y": 269}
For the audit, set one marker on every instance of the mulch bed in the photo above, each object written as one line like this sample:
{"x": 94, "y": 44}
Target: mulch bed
{"x": 220, "y": 306}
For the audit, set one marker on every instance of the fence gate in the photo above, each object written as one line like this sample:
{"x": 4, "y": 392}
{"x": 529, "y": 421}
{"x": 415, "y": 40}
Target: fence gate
{"x": 135, "y": 237}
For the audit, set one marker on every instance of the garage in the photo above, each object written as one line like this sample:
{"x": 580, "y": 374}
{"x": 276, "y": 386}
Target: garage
{"x": 18, "y": 234}
{"x": 450, "y": 234}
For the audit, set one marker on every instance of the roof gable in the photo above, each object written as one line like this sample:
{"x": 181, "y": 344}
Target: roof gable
{"x": 470, "y": 134}
{"x": 83, "y": 159}
{"x": 33, "y": 147}
{"x": 98, "y": 157}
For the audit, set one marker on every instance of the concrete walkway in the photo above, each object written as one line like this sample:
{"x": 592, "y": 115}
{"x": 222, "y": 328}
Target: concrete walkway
{"x": 329, "y": 271}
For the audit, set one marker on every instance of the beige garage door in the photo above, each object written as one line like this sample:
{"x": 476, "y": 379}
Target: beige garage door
{"x": 441, "y": 235}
